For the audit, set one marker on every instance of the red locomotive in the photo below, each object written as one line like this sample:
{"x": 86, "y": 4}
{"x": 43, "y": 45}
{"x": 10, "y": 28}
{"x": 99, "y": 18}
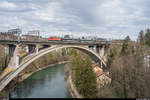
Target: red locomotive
{"x": 54, "y": 39}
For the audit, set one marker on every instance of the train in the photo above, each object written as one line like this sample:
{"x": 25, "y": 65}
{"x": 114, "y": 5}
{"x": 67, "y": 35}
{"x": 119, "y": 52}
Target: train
{"x": 54, "y": 39}
{"x": 73, "y": 40}
{"x": 61, "y": 39}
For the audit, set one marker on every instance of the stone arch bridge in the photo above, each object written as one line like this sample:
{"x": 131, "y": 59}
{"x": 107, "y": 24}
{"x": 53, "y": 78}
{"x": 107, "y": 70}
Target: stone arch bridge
{"x": 96, "y": 54}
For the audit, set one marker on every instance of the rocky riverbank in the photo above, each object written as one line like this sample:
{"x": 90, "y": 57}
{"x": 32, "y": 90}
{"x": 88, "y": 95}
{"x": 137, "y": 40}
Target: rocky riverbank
{"x": 71, "y": 87}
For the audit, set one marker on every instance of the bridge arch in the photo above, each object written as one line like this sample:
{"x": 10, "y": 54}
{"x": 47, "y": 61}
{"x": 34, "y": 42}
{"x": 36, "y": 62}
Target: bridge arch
{"x": 23, "y": 65}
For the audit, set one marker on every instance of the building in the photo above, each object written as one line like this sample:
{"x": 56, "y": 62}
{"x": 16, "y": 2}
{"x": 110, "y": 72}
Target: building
{"x": 16, "y": 31}
{"x": 97, "y": 70}
{"x": 102, "y": 79}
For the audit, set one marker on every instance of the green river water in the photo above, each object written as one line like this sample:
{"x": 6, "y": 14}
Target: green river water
{"x": 47, "y": 83}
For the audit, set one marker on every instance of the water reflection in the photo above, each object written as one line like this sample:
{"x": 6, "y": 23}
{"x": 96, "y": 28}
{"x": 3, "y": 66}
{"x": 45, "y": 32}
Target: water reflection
{"x": 47, "y": 83}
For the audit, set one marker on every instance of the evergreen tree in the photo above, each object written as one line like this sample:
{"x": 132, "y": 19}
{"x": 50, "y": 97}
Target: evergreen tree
{"x": 125, "y": 45}
{"x": 147, "y": 37}
{"x": 84, "y": 77}
{"x": 141, "y": 37}
{"x": 111, "y": 56}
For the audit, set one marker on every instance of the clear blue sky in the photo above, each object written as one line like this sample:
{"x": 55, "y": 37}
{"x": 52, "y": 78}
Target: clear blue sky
{"x": 104, "y": 18}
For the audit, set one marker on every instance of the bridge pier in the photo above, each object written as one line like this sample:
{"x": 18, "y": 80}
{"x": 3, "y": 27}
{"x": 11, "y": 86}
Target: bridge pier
{"x": 11, "y": 49}
{"x": 102, "y": 51}
{"x": 13, "y": 56}
{"x": 16, "y": 54}
{"x": 37, "y": 48}
{"x": 91, "y": 47}
{"x": 27, "y": 49}
{"x": 67, "y": 50}
{"x": 31, "y": 48}
{"x": 95, "y": 48}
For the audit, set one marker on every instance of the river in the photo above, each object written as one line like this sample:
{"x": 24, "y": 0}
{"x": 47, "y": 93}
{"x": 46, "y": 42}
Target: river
{"x": 47, "y": 83}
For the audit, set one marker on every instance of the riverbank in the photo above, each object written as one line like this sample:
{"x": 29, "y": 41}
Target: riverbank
{"x": 70, "y": 85}
{"x": 72, "y": 89}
